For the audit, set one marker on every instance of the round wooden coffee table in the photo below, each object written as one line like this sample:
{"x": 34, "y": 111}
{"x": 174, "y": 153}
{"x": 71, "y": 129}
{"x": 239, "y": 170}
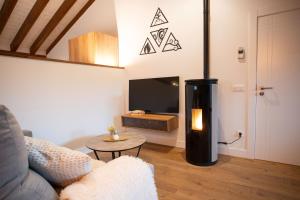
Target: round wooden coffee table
{"x": 97, "y": 144}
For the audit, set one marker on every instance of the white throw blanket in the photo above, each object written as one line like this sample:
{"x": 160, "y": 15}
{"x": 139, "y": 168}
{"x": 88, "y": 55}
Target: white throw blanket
{"x": 125, "y": 178}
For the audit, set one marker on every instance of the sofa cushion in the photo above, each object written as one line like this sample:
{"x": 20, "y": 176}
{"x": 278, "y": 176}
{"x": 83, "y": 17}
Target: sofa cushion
{"x": 13, "y": 154}
{"x": 34, "y": 187}
{"x": 59, "y": 165}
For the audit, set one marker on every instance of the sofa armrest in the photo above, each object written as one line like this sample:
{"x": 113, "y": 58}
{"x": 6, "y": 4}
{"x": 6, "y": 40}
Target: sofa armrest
{"x": 27, "y": 133}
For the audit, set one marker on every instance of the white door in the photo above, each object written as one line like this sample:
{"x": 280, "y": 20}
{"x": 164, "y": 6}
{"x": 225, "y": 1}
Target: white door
{"x": 278, "y": 88}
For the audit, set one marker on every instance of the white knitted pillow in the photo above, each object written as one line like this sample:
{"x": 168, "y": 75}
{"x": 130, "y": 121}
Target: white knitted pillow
{"x": 59, "y": 165}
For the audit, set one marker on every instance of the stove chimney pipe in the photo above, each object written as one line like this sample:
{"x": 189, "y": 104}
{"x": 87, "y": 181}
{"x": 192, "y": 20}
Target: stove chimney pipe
{"x": 206, "y": 39}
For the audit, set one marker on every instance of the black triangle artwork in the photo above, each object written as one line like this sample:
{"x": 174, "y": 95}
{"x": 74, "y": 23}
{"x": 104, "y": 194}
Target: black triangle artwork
{"x": 172, "y": 44}
{"x": 147, "y": 48}
{"x": 159, "y": 35}
{"x": 159, "y": 18}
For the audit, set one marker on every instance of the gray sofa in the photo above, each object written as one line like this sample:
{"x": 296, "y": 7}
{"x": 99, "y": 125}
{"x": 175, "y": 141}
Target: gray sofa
{"x": 17, "y": 181}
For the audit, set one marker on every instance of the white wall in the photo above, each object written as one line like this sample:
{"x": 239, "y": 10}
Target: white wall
{"x": 134, "y": 19}
{"x": 100, "y": 17}
{"x": 60, "y": 102}
{"x": 230, "y": 29}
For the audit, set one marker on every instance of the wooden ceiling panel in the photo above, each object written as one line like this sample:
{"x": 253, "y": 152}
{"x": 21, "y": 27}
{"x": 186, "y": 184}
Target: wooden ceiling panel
{"x": 43, "y": 19}
{"x": 1, "y": 3}
{"x": 36, "y": 26}
{"x": 59, "y": 14}
{"x": 5, "y": 12}
{"x": 71, "y": 23}
{"x": 28, "y": 23}
{"x": 62, "y": 24}
{"x": 14, "y": 22}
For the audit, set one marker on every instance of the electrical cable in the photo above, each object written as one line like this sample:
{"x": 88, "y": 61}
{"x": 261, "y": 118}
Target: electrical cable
{"x": 226, "y": 143}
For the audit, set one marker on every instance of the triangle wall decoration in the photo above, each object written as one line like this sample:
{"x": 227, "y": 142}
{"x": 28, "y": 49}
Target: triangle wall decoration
{"x": 159, "y": 18}
{"x": 147, "y": 48}
{"x": 159, "y": 35}
{"x": 172, "y": 44}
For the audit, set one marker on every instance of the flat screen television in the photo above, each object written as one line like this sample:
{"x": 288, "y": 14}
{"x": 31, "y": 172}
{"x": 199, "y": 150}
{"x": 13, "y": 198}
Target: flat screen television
{"x": 154, "y": 95}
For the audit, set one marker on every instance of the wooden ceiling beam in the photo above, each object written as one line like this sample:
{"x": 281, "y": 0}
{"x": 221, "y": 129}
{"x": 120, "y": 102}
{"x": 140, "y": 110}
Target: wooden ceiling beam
{"x": 6, "y": 10}
{"x": 59, "y": 14}
{"x": 20, "y": 54}
{"x": 72, "y": 22}
{"x": 44, "y": 58}
{"x": 28, "y": 23}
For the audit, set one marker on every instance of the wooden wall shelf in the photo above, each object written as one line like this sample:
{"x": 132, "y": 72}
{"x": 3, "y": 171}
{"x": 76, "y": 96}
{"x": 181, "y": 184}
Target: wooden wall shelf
{"x": 151, "y": 121}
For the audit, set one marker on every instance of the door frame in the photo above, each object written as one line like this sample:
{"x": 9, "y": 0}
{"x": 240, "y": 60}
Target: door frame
{"x": 252, "y": 65}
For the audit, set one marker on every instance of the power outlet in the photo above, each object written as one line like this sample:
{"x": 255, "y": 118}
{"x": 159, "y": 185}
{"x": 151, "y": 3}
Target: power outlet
{"x": 238, "y": 133}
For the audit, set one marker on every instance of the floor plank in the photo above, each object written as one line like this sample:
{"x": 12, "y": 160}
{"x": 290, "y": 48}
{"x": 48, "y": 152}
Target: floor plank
{"x": 231, "y": 178}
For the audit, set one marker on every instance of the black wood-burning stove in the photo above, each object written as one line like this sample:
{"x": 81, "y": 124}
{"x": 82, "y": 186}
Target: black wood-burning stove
{"x": 201, "y": 121}
{"x": 200, "y": 111}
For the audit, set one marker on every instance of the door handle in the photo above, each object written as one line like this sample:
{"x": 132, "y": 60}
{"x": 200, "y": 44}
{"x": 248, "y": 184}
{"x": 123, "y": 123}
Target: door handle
{"x": 266, "y": 88}
{"x": 261, "y": 90}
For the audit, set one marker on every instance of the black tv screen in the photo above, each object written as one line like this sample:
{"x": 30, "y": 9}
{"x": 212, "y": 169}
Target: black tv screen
{"x": 155, "y": 95}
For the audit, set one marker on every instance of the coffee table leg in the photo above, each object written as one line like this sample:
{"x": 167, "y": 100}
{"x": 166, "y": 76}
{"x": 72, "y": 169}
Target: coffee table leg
{"x": 113, "y": 155}
{"x": 119, "y": 153}
{"x": 95, "y": 152}
{"x": 137, "y": 155}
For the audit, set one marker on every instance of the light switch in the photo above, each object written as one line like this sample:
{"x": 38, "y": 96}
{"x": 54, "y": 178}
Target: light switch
{"x": 241, "y": 53}
{"x": 238, "y": 88}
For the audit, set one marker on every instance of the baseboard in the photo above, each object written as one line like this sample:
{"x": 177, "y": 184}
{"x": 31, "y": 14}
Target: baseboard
{"x": 231, "y": 151}
{"x": 180, "y": 144}
{"x": 167, "y": 142}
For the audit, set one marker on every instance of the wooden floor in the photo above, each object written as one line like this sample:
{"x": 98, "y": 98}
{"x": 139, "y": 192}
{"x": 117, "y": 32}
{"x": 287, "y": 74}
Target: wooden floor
{"x": 231, "y": 178}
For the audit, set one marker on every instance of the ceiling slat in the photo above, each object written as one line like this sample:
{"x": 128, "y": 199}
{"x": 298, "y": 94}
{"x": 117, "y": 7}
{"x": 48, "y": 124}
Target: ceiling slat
{"x": 6, "y": 10}
{"x": 28, "y": 23}
{"x": 79, "y": 14}
{"x": 60, "y": 13}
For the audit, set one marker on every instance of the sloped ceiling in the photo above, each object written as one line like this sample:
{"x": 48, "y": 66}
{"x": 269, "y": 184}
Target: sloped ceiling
{"x": 55, "y": 18}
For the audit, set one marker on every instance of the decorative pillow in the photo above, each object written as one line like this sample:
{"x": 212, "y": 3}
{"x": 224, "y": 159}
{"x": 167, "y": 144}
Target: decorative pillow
{"x": 59, "y": 165}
